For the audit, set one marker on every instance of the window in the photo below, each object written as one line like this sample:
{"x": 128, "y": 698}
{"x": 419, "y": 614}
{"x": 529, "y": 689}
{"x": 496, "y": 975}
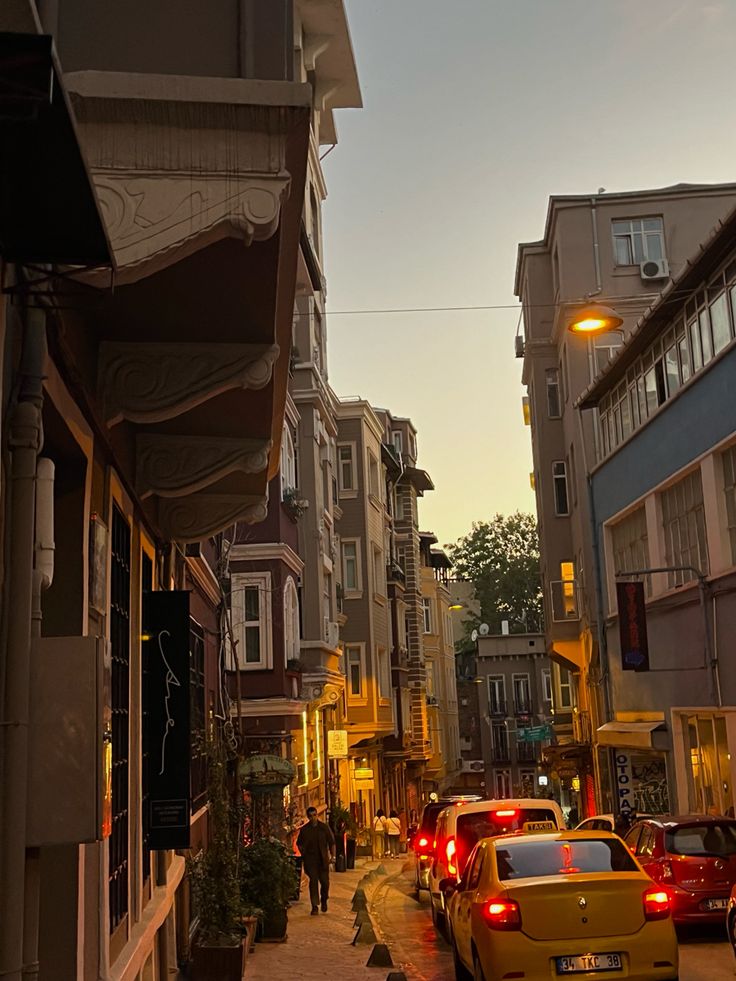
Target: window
{"x": 637, "y": 239}
{"x": 291, "y": 621}
{"x": 427, "y": 614}
{"x": 356, "y": 672}
{"x": 546, "y": 685}
{"x": 565, "y": 691}
{"x": 500, "y": 741}
{"x": 379, "y": 572}
{"x": 413, "y": 445}
{"x": 374, "y": 485}
{"x": 522, "y": 694}
{"x": 346, "y": 467}
{"x": 728, "y": 459}
{"x": 502, "y": 781}
{"x": 288, "y": 462}
{"x": 719, "y": 322}
{"x": 683, "y": 520}
{"x": 384, "y": 673}
{"x": 398, "y": 440}
{"x": 351, "y": 579}
{"x": 553, "y": 393}
{"x": 559, "y": 480}
{"x": 251, "y": 619}
{"x": 630, "y": 544}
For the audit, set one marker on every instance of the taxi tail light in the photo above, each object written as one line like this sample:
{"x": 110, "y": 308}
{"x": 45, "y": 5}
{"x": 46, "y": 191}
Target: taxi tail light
{"x": 657, "y": 904}
{"x": 451, "y": 856}
{"x": 502, "y": 914}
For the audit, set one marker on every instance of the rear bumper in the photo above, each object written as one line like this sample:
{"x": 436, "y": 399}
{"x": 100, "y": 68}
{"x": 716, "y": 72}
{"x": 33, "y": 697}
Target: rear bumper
{"x": 422, "y": 872}
{"x": 686, "y": 907}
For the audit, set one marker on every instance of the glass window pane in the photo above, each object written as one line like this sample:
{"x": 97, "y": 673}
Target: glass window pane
{"x": 654, "y": 247}
{"x": 695, "y": 347}
{"x": 705, "y": 338}
{"x": 623, "y": 250}
{"x": 251, "y": 603}
{"x": 638, "y": 247}
{"x": 672, "y": 370}
{"x": 620, "y": 227}
{"x": 252, "y": 645}
{"x": 719, "y": 323}
{"x": 684, "y": 357}
{"x": 625, "y": 418}
{"x": 650, "y": 385}
{"x": 652, "y": 224}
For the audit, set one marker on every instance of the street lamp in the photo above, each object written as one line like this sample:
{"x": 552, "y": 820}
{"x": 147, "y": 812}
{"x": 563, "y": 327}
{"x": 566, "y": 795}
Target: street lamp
{"x": 594, "y": 318}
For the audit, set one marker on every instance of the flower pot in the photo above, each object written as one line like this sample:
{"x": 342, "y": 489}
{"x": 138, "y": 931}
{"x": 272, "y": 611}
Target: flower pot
{"x": 350, "y": 848}
{"x": 250, "y": 926}
{"x": 218, "y": 963}
{"x": 273, "y": 926}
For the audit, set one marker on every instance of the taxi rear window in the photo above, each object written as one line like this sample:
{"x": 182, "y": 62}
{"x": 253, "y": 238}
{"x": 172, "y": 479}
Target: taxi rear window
{"x": 474, "y": 825}
{"x": 530, "y": 859}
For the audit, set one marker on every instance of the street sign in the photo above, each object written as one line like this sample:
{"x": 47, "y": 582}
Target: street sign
{"x": 263, "y": 771}
{"x": 632, "y": 622}
{"x": 534, "y": 734}
{"x": 337, "y": 744}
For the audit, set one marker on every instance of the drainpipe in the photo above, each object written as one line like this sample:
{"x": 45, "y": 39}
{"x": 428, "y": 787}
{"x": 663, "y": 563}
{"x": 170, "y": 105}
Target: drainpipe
{"x": 25, "y": 440}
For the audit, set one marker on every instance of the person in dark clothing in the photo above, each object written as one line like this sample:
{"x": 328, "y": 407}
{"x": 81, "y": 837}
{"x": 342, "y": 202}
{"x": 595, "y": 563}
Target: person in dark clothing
{"x": 316, "y": 843}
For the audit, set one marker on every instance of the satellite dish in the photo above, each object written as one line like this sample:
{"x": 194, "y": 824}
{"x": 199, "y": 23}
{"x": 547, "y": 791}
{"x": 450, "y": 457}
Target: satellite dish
{"x": 474, "y": 636}
{"x": 484, "y": 630}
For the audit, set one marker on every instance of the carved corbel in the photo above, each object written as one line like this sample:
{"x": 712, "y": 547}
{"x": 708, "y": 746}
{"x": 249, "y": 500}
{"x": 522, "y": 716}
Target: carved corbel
{"x": 153, "y": 382}
{"x": 173, "y": 466}
{"x": 199, "y": 516}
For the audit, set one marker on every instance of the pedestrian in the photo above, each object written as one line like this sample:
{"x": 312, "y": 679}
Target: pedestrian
{"x": 379, "y": 834}
{"x": 393, "y": 833}
{"x": 404, "y": 830}
{"x": 316, "y": 843}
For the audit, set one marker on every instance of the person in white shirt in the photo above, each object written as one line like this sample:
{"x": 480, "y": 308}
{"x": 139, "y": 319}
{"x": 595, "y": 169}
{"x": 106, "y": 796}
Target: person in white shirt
{"x": 393, "y": 833}
{"x": 379, "y": 834}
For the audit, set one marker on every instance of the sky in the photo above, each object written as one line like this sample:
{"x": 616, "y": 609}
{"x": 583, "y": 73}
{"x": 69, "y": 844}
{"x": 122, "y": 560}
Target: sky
{"x": 475, "y": 111}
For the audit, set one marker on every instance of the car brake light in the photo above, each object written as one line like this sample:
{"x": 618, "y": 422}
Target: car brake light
{"x": 505, "y": 814}
{"x": 451, "y": 852}
{"x": 656, "y": 904}
{"x": 502, "y": 914}
{"x": 423, "y": 842}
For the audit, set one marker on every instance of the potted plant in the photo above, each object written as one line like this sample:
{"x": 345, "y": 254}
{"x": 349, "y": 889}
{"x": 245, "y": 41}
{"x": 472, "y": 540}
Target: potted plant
{"x": 251, "y": 917}
{"x": 218, "y": 949}
{"x": 268, "y": 880}
{"x": 345, "y": 829}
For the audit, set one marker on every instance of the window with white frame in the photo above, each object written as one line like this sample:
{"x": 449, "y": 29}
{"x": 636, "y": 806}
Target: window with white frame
{"x": 384, "y": 673}
{"x": 637, "y": 239}
{"x": 398, "y": 440}
{"x": 347, "y": 476}
{"x": 288, "y": 461}
{"x": 379, "y": 571}
{"x": 427, "y": 614}
{"x": 552, "y": 380}
{"x": 630, "y": 544}
{"x": 559, "y": 482}
{"x": 565, "y": 691}
{"x": 351, "y": 578}
{"x": 546, "y": 685}
{"x": 683, "y": 521}
{"x": 522, "y": 693}
{"x": 374, "y": 483}
{"x": 728, "y": 460}
{"x": 497, "y": 694}
{"x": 413, "y": 445}
{"x": 291, "y": 620}
{"x": 502, "y": 780}
{"x": 355, "y": 672}
{"x": 250, "y": 601}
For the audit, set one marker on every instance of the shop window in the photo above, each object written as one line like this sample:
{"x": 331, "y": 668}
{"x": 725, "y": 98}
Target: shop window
{"x": 708, "y": 764}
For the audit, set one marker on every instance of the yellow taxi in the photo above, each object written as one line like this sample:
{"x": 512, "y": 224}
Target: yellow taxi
{"x": 548, "y": 906}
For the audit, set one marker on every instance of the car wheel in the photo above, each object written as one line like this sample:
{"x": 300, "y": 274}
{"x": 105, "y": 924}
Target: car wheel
{"x": 478, "y": 974}
{"x": 731, "y": 929}
{"x": 461, "y": 971}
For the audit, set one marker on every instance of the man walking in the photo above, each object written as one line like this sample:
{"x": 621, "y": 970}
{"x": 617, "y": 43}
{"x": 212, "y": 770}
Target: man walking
{"x": 316, "y": 843}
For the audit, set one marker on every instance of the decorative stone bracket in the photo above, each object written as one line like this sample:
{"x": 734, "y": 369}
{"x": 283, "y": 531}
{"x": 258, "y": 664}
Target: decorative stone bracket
{"x": 153, "y": 382}
{"x": 174, "y": 466}
{"x": 199, "y": 516}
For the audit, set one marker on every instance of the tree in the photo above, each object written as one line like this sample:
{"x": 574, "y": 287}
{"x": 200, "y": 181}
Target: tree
{"x": 501, "y": 559}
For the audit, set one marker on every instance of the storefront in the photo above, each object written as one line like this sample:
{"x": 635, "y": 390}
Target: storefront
{"x": 704, "y": 743}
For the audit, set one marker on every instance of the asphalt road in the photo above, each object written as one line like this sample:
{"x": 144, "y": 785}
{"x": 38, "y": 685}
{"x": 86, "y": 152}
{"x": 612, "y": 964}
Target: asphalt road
{"x": 423, "y": 956}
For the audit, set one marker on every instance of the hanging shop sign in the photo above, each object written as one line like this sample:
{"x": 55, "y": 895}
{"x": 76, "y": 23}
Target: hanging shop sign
{"x": 632, "y": 622}
{"x": 262, "y": 771}
{"x": 165, "y": 653}
{"x": 337, "y": 744}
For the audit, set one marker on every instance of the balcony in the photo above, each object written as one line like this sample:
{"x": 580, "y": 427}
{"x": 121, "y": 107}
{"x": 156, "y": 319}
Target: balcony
{"x": 523, "y": 706}
{"x": 500, "y": 753}
{"x": 527, "y": 752}
{"x": 497, "y": 707}
{"x": 394, "y": 573}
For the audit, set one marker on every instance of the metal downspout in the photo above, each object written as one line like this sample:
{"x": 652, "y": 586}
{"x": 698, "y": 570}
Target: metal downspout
{"x": 25, "y": 440}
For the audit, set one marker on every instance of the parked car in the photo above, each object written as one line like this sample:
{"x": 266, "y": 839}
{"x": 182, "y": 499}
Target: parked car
{"x": 552, "y": 905}
{"x": 694, "y": 857}
{"x": 423, "y": 840}
{"x": 461, "y": 825}
{"x": 605, "y": 822}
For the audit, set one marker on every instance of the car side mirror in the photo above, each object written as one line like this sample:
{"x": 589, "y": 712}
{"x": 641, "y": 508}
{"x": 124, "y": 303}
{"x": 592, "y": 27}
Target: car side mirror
{"x": 448, "y": 886}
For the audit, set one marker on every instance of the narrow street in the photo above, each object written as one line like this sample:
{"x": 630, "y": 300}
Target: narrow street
{"x": 415, "y": 946}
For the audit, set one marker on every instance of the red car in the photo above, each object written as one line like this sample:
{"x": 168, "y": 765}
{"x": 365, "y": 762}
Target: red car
{"x": 694, "y": 858}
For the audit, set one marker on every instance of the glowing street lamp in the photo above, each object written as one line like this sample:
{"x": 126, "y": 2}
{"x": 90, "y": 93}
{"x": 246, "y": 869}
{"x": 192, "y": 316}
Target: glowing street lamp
{"x": 594, "y": 318}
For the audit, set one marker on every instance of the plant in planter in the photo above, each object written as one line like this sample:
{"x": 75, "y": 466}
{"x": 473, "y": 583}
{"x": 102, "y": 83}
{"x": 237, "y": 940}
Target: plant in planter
{"x": 218, "y": 951}
{"x": 345, "y": 829}
{"x": 251, "y": 917}
{"x": 268, "y": 879}
{"x": 295, "y": 506}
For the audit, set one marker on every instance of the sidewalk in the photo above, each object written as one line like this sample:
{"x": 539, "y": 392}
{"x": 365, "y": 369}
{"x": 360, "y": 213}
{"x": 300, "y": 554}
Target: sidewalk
{"x": 320, "y": 947}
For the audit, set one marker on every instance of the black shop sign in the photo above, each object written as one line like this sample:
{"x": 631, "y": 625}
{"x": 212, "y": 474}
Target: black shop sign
{"x": 632, "y": 621}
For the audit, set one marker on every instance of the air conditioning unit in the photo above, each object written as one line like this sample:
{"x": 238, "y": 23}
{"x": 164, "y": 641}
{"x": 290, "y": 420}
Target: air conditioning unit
{"x": 654, "y": 269}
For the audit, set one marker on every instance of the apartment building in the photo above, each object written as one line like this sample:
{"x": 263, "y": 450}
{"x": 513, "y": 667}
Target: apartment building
{"x": 618, "y": 249}
{"x": 443, "y": 766}
{"x": 177, "y": 143}
{"x": 664, "y": 499}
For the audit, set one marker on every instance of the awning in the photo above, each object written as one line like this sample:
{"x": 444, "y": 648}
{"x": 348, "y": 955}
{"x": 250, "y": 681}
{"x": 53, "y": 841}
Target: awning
{"x": 48, "y": 207}
{"x": 568, "y": 654}
{"x": 631, "y": 735}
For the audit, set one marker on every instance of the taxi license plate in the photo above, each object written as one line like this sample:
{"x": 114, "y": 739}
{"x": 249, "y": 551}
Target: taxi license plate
{"x": 581, "y": 963}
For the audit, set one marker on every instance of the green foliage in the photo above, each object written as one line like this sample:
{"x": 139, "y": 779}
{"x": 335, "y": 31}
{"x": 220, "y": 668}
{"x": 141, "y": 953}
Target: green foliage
{"x": 268, "y": 877}
{"x": 501, "y": 558}
{"x": 341, "y": 820}
{"x": 213, "y": 874}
